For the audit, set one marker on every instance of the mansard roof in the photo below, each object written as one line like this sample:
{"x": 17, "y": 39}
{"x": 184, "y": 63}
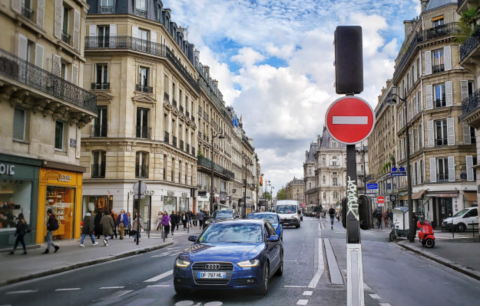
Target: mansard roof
{"x": 326, "y": 140}
{"x": 434, "y": 4}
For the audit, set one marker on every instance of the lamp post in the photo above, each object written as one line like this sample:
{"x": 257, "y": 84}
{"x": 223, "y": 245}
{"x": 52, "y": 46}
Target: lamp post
{"x": 391, "y": 101}
{"x": 267, "y": 183}
{"x": 212, "y": 193}
{"x": 271, "y": 206}
{"x": 248, "y": 162}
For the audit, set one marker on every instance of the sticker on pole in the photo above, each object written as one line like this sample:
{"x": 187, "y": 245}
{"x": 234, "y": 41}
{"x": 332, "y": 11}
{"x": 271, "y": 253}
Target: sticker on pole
{"x": 380, "y": 200}
{"x": 350, "y": 120}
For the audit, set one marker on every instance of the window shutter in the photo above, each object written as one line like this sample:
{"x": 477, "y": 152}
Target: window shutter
{"x": 22, "y": 47}
{"x": 113, "y": 36}
{"x": 451, "y": 131}
{"x": 17, "y": 6}
{"x": 135, "y": 31}
{"x": 411, "y": 142}
{"x": 429, "y": 97}
{"x": 40, "y": 12}
{"x": 153, "y": 39}
{"x": 92, "y": 34}
{"x": 428, "y": 63}
{"x": 419, "y": 173}
{"x": 75, "y": 75}
{"x": 469, "y": 166}
{"x": 414, "y": 177}
{"x": 431, "y": 140}
{"x": 415, "y": 109}
{"x": 420, "y": 101}
{"x": 57, "y": 65}
{"x": 433, "y": 170}
{"x": 451, "y": 169}
{"x": 448, "y": 57}
{"x": 417, "y": 142}
{"x": 464, "y": 90}
{"x": 448, "y": 93}
{"x": 76, "y": 30}
{"x": 58, "y": 19}
{"x": 466, "y": 133}
{"x": 415, "y": 72}
{"x": 39, "y": 56}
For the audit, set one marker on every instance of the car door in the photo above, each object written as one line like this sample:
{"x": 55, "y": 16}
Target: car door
{"x": 471, "y": 217}
{"x": 273, "y": 247}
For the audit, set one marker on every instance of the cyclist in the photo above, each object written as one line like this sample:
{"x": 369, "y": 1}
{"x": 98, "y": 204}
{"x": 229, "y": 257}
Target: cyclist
{"x": 331, "y": 212}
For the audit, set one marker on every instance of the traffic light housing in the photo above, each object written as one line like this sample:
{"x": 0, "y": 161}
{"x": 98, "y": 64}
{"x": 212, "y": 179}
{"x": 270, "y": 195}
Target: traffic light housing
{"x": 348, "y": 60}
{"x": 364, "y": 210}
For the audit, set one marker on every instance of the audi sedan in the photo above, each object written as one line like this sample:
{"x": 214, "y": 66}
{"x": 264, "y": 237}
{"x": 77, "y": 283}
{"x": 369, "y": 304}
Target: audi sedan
{"x": 238, "y": 254}
{"x": 272, "y": 218}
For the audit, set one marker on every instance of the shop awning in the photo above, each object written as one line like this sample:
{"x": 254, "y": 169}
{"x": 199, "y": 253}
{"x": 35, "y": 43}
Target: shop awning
{"x": 443, "y": 194}
{"x": 471, "y": 197}
{"x": 418, "y": 195}
{"x": 404, "y": 198}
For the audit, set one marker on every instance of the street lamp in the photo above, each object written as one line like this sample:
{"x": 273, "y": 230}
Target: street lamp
{"x": 267, "y": 183}
{"x": 244, "y": 210}
{"x": 212, "y": 193}
{"x": 271, "y": 206}
{"x": 391, "y": 101}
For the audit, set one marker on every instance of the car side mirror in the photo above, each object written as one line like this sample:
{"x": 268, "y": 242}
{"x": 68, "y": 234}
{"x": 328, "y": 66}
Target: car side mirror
{"x": 192, "y": 238}
{"x": 273, "y": 238}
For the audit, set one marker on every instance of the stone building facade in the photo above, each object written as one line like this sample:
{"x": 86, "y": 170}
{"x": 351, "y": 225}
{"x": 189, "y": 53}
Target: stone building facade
{"x": 294, "y": 190}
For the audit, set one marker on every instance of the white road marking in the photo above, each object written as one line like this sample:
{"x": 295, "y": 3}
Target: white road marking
{"x": 184, "y": 303}
{"x": 155, "y": 286}
{"x": 307, "y": 292}
{"x": 286, "y": 286}
{"x": 175, "y": 254}
{"x": 321, "y": 266}
{"x": 21, "y": 291}
{"x": 159, "y": 277}
{"x": 375, "y": 296}
{"x": 385, "y": 304}
{"x": 214, "y": 304}
{"x": 161, "y": 255}
{"x": 302, "y": 302}
{"x": 335, "y": 276}
{"x": 173, "y": 248}
{"x": 67, "y": 289}
{"x": 366, "y": 287}
{"x": 349, "y": 120}
{"x": 112, "y": 287}
{"x": 118, "y": 294}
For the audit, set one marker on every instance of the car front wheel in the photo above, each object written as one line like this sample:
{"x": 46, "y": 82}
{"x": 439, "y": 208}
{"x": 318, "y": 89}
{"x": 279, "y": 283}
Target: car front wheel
{"x": 263, "y": 288}
{"x": 461, "y": 227}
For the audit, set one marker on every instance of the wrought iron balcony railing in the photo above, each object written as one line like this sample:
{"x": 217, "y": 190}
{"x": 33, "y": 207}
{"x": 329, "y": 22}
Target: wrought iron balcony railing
{"x": 100, "y": 86}
{"x": 166, "y": 137}
{"x": 98, "y": 170}
{"x": 106, "y": 9}
{"x": 66, "y": 37}
{"x": 470, "y": 104}
{"x": 143, "y": 88}
{"x": 470, "y": 44}
{"x": 205, "y": 162}
{"x": 181, "y": 145}
{"x": 24, "y": 72}
{"x": 183, "y": 71}
{"x": 99, "y": 131}
{"x": 144, "y": 132}
{"x": 460, "y": 2}
{"x": 174, "y": 141}
{"x": 141, "y": 13}
{"x": 438, "y": 68}
{"x": 141, "y": 171}
{"x": 439, "y": 103}
{"x": 27, "y": 12}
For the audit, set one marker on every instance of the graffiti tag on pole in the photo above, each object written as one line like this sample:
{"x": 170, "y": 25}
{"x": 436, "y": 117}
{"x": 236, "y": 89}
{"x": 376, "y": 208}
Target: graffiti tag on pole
{"x": 352, "y": 198}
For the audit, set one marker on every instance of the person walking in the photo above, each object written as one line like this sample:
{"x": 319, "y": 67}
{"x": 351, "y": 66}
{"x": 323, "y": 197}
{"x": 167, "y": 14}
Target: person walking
{"x": 385, "y": 218}
{"x": 331, "y": 212}
{"x": 200, "y": 215}
{"x": 166, "y": 223}
{"x": 107, "y": 227}
{"x": 87, "y": 229}
{"x": 173, "y": 221}
{"x": 184, "y": 220}
{"x": 22, "y": 230}
{"x": 122, "y": 223}
{"x": 114, "y": 217}
{"x": 96, "y": 223}
{"x": 135, "y": 227}
{"x": 177, "y": 216}
{"x": 52, "y": 225}
{"x": 129, "y": 226}
{"x": 190, "y": 217}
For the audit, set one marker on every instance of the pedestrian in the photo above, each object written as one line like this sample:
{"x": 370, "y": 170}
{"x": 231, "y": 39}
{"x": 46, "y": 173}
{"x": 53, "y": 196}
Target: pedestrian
{"x": 166, "y": 223}
{"x": 331, "y": 212}
{"x": 22, "y": 230}
{"x": 129, "y": 227}
{"x": 52, "y": 225}
{"x": 122, "y": 223}
{"x": 114, "y": 217}
{"x": 177, "y": 216}
{"x": 107, "y": 227}
{"x": 136, "y": 226}
{"x": 190, "y": 217}
{"x": 173, "y": 221}
{"x": 184, "y": 220}
{"x": 159, "y": 219}
{"x": 97, "y": 225}
{"x": 87, "y": 229}
{"x": 200, "y": 215}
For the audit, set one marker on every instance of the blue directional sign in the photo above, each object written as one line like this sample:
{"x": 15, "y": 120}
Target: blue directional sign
{"x": 372, "y": 186}
{"x": 398, "y": 172}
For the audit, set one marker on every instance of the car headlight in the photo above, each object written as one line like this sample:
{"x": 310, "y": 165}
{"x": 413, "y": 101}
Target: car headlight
{"x": 295, "y": 217}
{"x": 182, "y": 263}
{"x": 249, "y": 263}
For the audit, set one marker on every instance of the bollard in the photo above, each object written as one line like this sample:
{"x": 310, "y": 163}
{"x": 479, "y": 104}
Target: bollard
{"x": 163, "y": 233}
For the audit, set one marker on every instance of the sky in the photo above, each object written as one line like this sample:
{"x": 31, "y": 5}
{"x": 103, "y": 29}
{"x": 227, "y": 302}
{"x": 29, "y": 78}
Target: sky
{"x": 274, "y": 63}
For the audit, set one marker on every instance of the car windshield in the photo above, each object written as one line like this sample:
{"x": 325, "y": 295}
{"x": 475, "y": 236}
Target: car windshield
{"x": 287, "y": 209}
{"x": 232, "y": 232}
{"x": 269, "y": 217}
{"x": 224, "y": 214}
{"x": 461, "y": 213}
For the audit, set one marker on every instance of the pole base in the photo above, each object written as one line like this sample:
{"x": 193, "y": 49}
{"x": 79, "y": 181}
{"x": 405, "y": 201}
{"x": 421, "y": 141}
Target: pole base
{"x": 355, "y": 294}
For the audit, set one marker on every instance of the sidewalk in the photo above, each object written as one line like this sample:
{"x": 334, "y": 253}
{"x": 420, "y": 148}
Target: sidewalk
{"x": 17, "y": 268}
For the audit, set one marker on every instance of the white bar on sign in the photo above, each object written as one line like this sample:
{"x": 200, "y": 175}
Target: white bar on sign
{"x": 350, "y": 120}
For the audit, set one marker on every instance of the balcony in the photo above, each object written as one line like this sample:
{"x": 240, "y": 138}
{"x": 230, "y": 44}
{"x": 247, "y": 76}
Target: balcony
{"x": 98, "y": 171}
{"x": 143, "y": 88}
{"x": 206, "y": 163}
{"x": 174, "y": 141}
{"x": 470, "y": 44}
{"x": 438, "y": 68}
{"x": 99, "y": 131}
{"x": 442, "y": 177}
{"x": 141, "y": 13}
{"x": 166, "y": 96}
{"x": 143, "y": 132}
{"x": 181, "y": 145}
{"x": 166, "y": 138}
{"x": 141, "y": 171}
{"x": 183, "y": 71}
{"x": 93, "y": 43}
{"x": 439, "y": 103}
{"x": 66, "y": 38}
{"x": 14, "y": 70}
{"x": 27, "y": 12}
{"x": 470, "y": 104}
{"x": 106, "y": 9}
{"x": 460, "y": 2}
{"x": 100, "y": 86}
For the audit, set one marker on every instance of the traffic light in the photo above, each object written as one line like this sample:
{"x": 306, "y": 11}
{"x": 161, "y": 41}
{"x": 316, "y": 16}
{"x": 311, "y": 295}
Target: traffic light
{"x": 348, "y": 60}
{"x": 364, "y": 210}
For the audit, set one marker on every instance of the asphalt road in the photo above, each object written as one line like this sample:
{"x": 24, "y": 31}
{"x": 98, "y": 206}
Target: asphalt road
{"x": 392, "y": 276}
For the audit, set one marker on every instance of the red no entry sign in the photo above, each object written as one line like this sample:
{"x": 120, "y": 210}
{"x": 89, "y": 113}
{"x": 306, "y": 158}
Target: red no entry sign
{"x": 380, "y": 200}
{"x": 350, "y": 120}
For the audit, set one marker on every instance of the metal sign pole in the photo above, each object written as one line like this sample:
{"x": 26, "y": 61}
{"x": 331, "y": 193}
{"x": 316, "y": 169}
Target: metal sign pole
{"x": 138, "y": 211}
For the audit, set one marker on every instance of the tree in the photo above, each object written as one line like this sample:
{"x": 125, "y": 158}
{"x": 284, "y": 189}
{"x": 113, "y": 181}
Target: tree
{"x": 282, "y": 194}
{"x": 200, "y": 154}
{"x": 266, "y": 195}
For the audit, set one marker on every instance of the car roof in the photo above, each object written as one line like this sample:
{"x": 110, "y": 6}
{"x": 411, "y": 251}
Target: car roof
{"x": 264, "y": 213}
{"x": 236, "y": 221}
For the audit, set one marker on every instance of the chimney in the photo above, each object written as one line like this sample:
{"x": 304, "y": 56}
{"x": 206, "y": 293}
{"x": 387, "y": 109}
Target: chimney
{"x": 207, "y": 70}
{"x": 424, "y": 4}
{"x": 168, "y": 10}
{"x": 408, "y": 27}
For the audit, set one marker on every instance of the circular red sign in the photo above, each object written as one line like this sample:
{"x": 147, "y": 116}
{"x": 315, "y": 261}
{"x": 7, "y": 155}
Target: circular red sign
{"x": 380, "y": 200}
{"x": 350, "y": 120}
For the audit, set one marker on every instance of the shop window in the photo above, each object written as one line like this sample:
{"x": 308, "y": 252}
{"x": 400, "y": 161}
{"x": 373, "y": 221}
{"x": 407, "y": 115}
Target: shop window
{"x": 59, "y": 135}
{"x": 61, "y": 200}
{"x": 19, "y": 124}
{"x": 97, "y": 204}
{"x": 15, "y": 198}
{"x": 169, "y": 203}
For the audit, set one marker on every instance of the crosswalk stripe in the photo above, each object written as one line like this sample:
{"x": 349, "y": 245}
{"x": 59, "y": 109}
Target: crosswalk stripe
{"x": 155, "y": 286}
{"x": 159, "y": 277}
{"x": 112, "y": 287}
{"x": 67, "y": 289}
{"x": 21, "y": 291}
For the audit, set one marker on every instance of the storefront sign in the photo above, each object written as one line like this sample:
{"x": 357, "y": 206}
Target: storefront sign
{"x": 64, "y": 178}
{"x": 7, "y": 169}
{"x": 73, "y": 143}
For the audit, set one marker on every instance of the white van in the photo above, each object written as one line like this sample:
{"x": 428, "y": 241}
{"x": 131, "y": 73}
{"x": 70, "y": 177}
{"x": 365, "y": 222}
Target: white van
{"x": 462, "y": 220}
{"x": 288, "y": 212}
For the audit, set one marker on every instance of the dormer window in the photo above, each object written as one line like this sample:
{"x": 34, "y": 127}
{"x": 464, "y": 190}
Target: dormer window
{"x": 438, "y": 21}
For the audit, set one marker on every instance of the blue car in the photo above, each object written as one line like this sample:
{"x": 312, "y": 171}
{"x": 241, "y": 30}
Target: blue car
{"x": 273, "y": 218}
{"x": 237, "y": 254}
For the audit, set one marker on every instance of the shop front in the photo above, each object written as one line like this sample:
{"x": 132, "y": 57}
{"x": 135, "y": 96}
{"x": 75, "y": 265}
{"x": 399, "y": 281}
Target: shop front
{"x": 442, "y": 205}
{"x": 60, "y": 191}
{"x": 18, "y": 195}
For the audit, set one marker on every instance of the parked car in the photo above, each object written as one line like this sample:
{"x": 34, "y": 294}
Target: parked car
{"x": 220, "y": 216}
{"x": 273, "y": 218}
{"x": 462, "y": 220}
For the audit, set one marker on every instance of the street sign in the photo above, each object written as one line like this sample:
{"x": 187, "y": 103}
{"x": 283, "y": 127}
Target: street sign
{"x": 380, "y": 199}
{"x": 398, "y": 172}
{"x": 393, "y": 198}
{"x": 380, "y": 204}
{"x": 350, "y": 120}
{"x": 372, "y": 186}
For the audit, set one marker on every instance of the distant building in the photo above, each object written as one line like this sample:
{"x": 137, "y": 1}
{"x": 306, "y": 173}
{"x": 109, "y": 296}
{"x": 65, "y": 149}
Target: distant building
{"x": 295, "y": 190}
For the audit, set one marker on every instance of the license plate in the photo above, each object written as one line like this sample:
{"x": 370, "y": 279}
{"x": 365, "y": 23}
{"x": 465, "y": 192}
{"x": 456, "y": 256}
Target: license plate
{"x": 212, "y": 274}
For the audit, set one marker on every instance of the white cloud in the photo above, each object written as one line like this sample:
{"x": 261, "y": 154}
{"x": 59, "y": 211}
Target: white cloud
{"x": 247, "y": 57}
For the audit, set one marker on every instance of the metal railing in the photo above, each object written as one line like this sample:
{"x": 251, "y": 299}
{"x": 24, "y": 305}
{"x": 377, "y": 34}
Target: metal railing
{"x": 166, "y": 96}
{"x": 438, "y": 68}
{"x": 469, "y": 44}
{"x": 439, "y": 103}
{"x": 99, "y": 131}
{"x": 143, "y": 88}
{"x": 27, "y": 12}
{"x": 100, "y": 86}
{"x": 106, "y": 9}
{"x": 205, "y": 162}
{"x": 460, "y": 2}
{"x": 144, "y": 132}
{"x": 440, "y": 142}
{"x": 141, "y": 171}
{"x": 174, "y": 141}
{"x": 98, "y": 170}
{"x": 24, "y": 72}
{"x": 470, "y": 104}
{"x": 141, "y": 13}
{"x": 442, "y": 177}
{"x": 183, "y": 71}
{"x": 66, "y": 37}
{"x": 166, "y": 137}
{"x": 181, "y": 145}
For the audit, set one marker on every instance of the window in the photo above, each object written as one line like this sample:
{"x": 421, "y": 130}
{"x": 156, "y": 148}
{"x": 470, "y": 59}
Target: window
{"x": 98, "y": 164}
{"x": 103, "y": 36}
{"x": 141, "y": 4}
{"x": 441, "y": 132}
{"x": 142, "y": 123}
{"x": 335, "y": 181}
{"x": 64, "y": 72}
{"x": 143, "y": 35}
{"x": 439, "y": 96}
{"x": 334, "y": 173}
{"x": 100, "y": 123}
{"x": 438, "y": 22}
{"x": 471, "y": 87}
{"x": 442, "y": 170}
{"x": 141, "y": 165}
{"x": 59, "y": 131}
{"x": 472, "y": 135}
{"x": 106, "y": 6}
{"x": 19, "y": 122}
{"x": 334, "y": 161}
{"x": 335, "y": 195}
{"x": 142, "y": 85}
{"x": 65, "y": 25}
{"x": 174, "y": 95}
{"x": 101, "y": 78}
{"x": 438, "y": 61}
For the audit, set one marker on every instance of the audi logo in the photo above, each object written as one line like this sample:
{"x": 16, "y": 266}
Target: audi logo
{"x": 212, "y": 266}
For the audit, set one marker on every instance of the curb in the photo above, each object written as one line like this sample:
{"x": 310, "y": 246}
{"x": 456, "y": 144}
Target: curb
{"x": 450, "y": 264}
{"x": 84, "y": 264}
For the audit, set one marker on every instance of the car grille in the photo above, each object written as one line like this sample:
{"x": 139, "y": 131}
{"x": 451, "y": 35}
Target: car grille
{"x": 224, "y": 266}
{"x": 245, "y": 281}
{"x": 212, "y": 281}
{"x": 201, "y": 266}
